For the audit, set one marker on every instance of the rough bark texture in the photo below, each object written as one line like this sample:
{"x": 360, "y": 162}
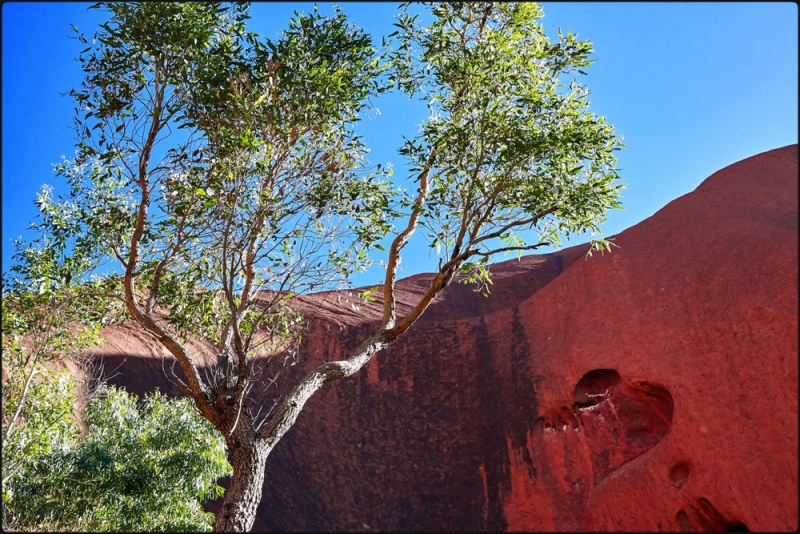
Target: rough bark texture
{"x": 238, "y": 510}
{"x": 653, "y": 388}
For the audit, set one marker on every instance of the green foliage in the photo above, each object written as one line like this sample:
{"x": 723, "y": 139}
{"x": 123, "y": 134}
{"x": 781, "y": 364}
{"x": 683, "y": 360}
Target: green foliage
{"x": 49, "y": 314}
{"x": 54, "y": 478}
{"x": 141, "y": 466}
{"x": 509, "y": 146}
{"x": 45, "y": 423}
{"x": 267, "y": 189}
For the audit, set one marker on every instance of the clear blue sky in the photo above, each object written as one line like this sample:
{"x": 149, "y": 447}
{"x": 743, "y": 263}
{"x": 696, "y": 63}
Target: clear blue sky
{"x": 692, "y": 87}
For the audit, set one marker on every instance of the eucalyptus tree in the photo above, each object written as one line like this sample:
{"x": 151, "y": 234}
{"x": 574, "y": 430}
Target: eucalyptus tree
{"x": 224, "y": 173}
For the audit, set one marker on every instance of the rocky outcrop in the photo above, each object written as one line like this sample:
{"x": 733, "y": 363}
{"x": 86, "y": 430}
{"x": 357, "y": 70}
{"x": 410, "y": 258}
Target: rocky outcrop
{"x": 652, "y": 388}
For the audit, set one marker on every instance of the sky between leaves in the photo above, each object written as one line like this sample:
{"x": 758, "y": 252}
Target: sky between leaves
{"x": 692, "y": 87}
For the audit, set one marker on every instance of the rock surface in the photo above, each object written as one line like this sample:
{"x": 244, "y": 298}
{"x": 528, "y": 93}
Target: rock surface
{"x": 653, "y": 388}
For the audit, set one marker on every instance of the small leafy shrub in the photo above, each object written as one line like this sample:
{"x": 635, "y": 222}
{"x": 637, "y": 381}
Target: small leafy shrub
{"x": 141, "y": 466}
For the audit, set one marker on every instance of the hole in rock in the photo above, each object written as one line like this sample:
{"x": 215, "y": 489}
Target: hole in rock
{"x": 595, "y": 387}
{"x": 678, "y": 475}
{"x": 714, "y": 521}
{"x": 621, "y": 420}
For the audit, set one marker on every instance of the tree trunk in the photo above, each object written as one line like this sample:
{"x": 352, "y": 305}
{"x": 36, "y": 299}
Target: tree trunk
{"x": 241, "y": 500}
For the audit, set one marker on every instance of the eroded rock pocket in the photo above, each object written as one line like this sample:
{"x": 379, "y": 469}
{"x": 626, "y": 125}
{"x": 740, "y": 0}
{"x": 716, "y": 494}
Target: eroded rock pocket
{"x": 611, "y": 422}
{"x": 621, "y": 420}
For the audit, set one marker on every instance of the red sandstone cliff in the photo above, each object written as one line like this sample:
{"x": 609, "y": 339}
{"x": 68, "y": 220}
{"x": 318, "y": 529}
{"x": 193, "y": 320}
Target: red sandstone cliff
{"x": 653, "y": 388}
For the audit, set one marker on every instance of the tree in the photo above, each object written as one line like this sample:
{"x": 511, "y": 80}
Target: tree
{"x": 264, "y": 193}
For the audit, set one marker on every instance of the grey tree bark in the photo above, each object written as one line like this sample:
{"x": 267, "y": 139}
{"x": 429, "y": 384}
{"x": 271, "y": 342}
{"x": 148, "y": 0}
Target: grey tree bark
{"x": 238, "y": 512}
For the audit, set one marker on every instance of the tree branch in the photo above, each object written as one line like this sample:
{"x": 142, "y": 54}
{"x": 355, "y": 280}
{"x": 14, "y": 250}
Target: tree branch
{"x": 400, "y": 241}
{"x": 513, "y": 224}
{"x": 286, "y": 414}
{"x": 506, "y": 249}
{"x": 146, "y": 319}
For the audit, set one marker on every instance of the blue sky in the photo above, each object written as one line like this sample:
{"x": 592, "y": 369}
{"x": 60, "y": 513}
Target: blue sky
{"x": 692, "y": 87}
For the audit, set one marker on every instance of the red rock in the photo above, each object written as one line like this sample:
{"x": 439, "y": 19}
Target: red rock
{"x": 653, "y": 388}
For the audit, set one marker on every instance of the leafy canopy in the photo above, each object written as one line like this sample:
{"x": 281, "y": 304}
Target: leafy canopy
{"x": 506, "y": 143}
{"x": 48, "y": 316}
{"x": 53, "y": 476}
{"x": 264, "y": 189}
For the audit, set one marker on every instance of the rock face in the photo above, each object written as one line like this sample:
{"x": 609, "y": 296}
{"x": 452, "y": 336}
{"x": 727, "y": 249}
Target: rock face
{"x": 653, "y": 388}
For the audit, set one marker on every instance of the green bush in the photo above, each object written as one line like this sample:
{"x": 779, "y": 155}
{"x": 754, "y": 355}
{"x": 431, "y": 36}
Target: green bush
{"x": 141, "y": 466}
{"x": 45, "y": 422}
